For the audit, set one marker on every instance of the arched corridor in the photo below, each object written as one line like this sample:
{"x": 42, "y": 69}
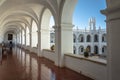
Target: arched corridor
{"x": 27, "y": 22}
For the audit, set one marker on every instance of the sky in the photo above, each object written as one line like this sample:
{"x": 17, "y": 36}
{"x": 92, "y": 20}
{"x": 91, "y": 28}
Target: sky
{"x": 86, "y": 9}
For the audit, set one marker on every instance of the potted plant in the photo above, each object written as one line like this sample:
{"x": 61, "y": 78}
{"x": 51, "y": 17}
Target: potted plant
{"x": 53, "y": 47}
{"x": 86, "y": 53}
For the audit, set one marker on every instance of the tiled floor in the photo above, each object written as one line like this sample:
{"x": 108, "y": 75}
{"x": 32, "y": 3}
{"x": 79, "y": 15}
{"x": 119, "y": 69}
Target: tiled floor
{"x": 21, "y": 65}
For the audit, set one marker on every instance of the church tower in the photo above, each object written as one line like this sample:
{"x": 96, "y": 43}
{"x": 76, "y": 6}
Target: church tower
{"x": 92, "y": 24}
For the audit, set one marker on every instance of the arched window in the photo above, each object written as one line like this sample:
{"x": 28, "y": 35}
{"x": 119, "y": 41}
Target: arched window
{"x": 104, "y": 49}
{"x": 96, "y": 49}
{"x": 74, "y": 38}
{"x": 52, "y": 31}
{"x": 81, "y": 50}
{"x": 52, "y": 37}
{"x": 89, "y": 48}
{"x": 74, "y": 51}
{"x": 27, "y": 36}
{"x": 34, "y": 34}
{"x": 81, "y": 38}
{"x": 88, "y": 38}
{"x": 104, "y": 38}
{"x": 96, "y": 38}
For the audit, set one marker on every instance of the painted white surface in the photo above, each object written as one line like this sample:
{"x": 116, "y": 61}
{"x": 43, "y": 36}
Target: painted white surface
{"x": 34, "y": 50}
{"x": 91, "y": 69}
{"x": 49, "y": 55}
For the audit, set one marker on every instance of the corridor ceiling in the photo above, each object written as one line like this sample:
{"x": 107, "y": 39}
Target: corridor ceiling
{"x": 15, "y": 14}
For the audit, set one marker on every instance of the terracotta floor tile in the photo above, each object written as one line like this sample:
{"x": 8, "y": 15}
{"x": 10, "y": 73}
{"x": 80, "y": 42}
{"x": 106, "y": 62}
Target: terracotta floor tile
{"x": 22, "y": 65}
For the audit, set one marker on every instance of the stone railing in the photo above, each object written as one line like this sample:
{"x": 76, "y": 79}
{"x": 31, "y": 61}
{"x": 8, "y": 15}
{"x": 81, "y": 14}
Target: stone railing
{"x": 93, "y": 67}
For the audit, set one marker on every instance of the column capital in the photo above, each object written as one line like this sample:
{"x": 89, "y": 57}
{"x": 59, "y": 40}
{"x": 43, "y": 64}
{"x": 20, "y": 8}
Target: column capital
{"x": 64, "y": 26}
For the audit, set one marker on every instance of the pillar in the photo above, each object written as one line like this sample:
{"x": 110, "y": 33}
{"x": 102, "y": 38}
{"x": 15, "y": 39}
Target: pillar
{"x": 113, "y": 39}
{"x": 39, "y": 44}
{"x": 30, "y": 40}
{"x": 63, "y": 42}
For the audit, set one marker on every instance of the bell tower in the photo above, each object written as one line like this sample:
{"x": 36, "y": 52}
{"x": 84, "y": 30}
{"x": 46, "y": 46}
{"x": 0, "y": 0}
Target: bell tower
{"x": 92, "y": 24}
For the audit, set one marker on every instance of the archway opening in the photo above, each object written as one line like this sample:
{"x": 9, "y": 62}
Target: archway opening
{"x": 74, "y": 38}
{"x": 104, "y": 38}
{"x": 52, "y": 31}
{"x": 81, "y": 50}
{"x": 95, "y": 38}
{"x": 88, "y": 38}
{"x": 81, "y": 38}
{"x": 89, "y": 48}
{"x": 23, "y": 37}
{"x": 47, "y": 30}
{"x": 27, "y": 36}
{"x": 96, "y": 49}
{"x": 34, "y": 34}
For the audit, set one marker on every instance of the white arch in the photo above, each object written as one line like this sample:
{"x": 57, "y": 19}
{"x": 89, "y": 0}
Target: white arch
{"x": 45, "y": 29}
{"x": 81, "y": 49}
{"x": 27, "y": 36}
{"x": 34, "y": 34}
{"x": 81, "y": 38}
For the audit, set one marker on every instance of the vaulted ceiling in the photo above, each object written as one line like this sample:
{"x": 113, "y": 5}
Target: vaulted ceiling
{"x": 14, "y": 14}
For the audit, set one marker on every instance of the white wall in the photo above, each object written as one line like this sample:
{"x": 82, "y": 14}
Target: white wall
{"x": 96, "y": 69}
{"x": 49, "y": 54}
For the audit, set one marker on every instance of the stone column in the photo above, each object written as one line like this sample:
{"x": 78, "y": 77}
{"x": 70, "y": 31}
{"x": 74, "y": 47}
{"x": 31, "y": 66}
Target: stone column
{"x": 39, "y": 44}
{"x": 30, "y": 40}
{"x": 63, "y": 42}
{"x": 113, "y": 39}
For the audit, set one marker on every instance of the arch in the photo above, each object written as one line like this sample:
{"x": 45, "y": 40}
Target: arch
{"x": 96, "y": 38}
{"x": 23, "y": 37}
{"x": 45, "y": 28}
{"x": 34, "y": 34}
{"x": 9, "y": 36}
{"x": 27, "y": 36}
{"x": 74, "y": 38}
{"x": 96, "y": 49}
{"x": 52, "y": 31}
{"x": 89, "y": 48}
{"x": 67, "y": 6}
{"x": 81, "y": 50}
{"x": 88, "y": 38}
{"x": 74, "y": 50}
{"x": 81, "y": 38}
{"x": 104, "y": 38}
{"x": 21, "y": 11}
{"x": 104, "y": 49}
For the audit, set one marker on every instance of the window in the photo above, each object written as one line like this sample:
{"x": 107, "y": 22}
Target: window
{"x": 88, "y": 38}
{"x": 81, "y": 38}
{"x": 96, "y": 38}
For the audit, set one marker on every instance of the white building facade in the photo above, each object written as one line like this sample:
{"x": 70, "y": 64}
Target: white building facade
{"x": 91, "y": 38}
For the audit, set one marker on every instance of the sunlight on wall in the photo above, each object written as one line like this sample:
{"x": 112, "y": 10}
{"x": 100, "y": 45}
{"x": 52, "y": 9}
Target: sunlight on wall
{"x": 34, "y": 34}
